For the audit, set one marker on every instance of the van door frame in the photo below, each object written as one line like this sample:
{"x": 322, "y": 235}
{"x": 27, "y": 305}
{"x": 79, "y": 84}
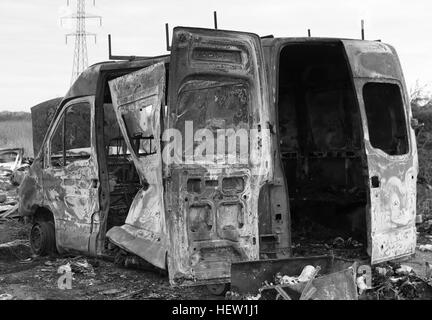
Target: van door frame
{"x": 279, "y": 192}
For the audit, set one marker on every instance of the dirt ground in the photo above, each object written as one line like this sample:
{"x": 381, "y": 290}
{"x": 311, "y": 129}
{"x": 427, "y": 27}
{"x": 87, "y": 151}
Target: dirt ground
{"x": 24, "y": 277}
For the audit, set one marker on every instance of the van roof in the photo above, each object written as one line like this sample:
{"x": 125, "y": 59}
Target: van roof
{"x": 270, "y": 41}
{"x": 86, "y": 83}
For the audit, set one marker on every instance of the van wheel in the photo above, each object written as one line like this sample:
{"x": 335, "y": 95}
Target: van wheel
{"x": 218, "y": 289}
{"x": 42, "y": 238}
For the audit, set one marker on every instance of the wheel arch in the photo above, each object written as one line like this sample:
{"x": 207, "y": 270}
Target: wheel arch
{"x": 41, "y": 213}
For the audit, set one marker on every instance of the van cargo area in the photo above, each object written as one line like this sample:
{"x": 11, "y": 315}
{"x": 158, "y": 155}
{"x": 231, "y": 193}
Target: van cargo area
{"x": 320, "y": 143}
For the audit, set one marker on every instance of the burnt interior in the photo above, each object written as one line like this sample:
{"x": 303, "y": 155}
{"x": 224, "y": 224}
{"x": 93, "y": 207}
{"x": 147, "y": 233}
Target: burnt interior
{"x": 124, "y": 181}
{"x": 123, "y": 178}
{"x": 320, "y": 143}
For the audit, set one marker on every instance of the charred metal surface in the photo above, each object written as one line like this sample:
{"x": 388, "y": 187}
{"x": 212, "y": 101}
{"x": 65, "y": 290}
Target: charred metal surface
{"x": 215, "y": 81}
{"x": 392, "y": 196}
{"x": 137, "y": 99}
{"x": 69, "y": 192}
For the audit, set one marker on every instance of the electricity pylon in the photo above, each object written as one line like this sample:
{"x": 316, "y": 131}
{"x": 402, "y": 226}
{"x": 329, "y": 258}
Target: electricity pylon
{"x": 80, "y": 59}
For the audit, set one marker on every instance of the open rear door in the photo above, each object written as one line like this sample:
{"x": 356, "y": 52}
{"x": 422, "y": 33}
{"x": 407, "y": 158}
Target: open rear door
{"x": 137, "y": 99}
{"x": 217, "y": 91}
{"x": 390, "y": 148}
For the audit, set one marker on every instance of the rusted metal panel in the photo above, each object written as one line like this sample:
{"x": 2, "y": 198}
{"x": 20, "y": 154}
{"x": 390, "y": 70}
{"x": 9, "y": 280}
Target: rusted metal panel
{"x": 392, "y": 197}
{"x": 212, "y": 72}
{"x": 137, "y": 99}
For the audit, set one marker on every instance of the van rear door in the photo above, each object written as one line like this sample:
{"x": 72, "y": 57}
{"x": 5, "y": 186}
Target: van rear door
{"x": 217, "y": 98}
{"x": 390, "y": 149}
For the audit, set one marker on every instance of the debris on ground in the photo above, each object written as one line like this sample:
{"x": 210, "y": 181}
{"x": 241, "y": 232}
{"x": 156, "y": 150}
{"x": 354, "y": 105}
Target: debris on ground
{"x": 6, "y": 296}
{"x": 13, "y": 168}
{"x": 11, "y": 211}
{"x": 301, "y": 284}
{"x": 428, "y": 271}
{"x": 15, "y": 250}
{"x": 24, "y": 276}
{"x": 113, "y": 291}
{"x": 92, "y": 278}
{"x": 381, "y": 271}
{"x": 361, "y": 284}
{"x": 404, "y": 270}
{"x": 425, "y": 228}
{"x": 425, "y": 247}
{"x": 397, "y": 282}
{"x": 232, "y": 295}
{"x": 295, "y": 278}
{"x": 311, "y": 238}
{"x": 307, "y": 274}
{"x": 348, "y": 248}
{"x": 8, "y": 207}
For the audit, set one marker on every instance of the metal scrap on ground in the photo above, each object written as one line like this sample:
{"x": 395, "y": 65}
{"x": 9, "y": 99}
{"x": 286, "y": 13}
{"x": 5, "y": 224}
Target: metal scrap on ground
{"x": 12, "y": 170}
{"x": 392, "y": 281}
{"x": 299, "y": 278}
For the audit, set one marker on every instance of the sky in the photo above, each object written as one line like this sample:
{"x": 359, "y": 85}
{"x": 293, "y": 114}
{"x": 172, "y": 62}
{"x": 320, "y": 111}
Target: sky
{"x": 36, "y": 62}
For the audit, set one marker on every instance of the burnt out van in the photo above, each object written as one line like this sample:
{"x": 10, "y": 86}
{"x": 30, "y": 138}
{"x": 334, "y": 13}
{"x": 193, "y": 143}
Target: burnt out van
{"x": 137, "y": 157}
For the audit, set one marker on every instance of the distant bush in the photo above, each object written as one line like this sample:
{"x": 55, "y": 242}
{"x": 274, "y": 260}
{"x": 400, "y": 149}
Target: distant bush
{"x": 421, "y": 106}
{"x": 8, "y": 116}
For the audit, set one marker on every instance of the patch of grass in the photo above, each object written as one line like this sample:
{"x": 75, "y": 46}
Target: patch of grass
{"x": 17, "y": 134}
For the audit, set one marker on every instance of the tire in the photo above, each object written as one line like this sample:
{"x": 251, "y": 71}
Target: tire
{"x": 218, "y": 289}
{"x": 42, "y": 238}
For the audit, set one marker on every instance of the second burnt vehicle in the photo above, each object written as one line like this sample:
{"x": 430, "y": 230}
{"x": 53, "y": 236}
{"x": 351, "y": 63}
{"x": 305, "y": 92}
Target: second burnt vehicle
{"x": 335, "y": 147}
